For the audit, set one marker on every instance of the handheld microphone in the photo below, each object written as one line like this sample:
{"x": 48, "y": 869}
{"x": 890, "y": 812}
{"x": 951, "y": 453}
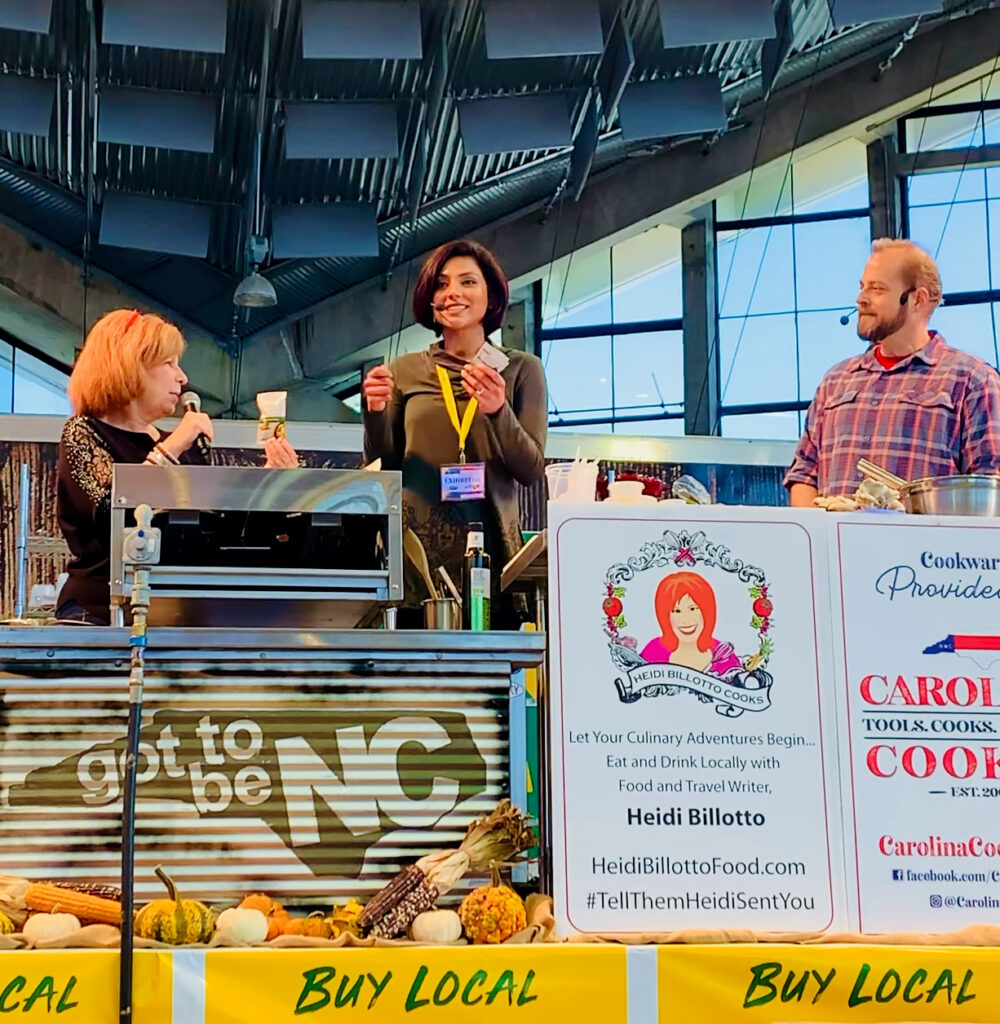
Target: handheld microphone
{"x": 190, "y": 402}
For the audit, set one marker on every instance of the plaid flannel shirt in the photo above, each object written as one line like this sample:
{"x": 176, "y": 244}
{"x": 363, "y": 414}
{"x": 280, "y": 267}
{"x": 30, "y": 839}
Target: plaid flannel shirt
{"x": 934, "y": 413}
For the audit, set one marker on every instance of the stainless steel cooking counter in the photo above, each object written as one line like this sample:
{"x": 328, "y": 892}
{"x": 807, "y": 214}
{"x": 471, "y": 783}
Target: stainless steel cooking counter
{"x": 306, "y": 763}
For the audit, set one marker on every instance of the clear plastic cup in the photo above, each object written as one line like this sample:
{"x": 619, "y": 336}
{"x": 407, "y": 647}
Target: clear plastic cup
{"x": 572, "y": 481}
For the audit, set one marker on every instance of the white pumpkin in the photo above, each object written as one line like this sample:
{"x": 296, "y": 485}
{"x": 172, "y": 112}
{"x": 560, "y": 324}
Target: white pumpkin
{"x": 40, "y": 927}
{"x": 436, "y": 926}
{"x": 242, "y": 925}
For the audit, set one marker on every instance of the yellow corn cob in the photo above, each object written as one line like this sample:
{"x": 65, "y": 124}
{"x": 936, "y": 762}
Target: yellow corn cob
{"x": 46, "y": 896}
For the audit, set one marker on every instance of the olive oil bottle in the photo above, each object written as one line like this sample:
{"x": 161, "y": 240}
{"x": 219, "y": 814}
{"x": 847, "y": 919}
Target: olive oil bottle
{"x": 476, "y": 582}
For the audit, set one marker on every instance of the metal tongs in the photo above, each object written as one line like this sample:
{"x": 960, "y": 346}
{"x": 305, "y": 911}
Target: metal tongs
{"x": 880, "y": 475}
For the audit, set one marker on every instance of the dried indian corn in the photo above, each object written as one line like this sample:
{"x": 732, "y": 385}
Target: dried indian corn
{"x": 498, "y": 837}
{"x": 399, "y": 918}
{"x": 102, "y": 889}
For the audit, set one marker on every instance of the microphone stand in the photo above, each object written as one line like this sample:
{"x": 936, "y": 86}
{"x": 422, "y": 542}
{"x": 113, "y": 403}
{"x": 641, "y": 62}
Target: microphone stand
{"x": 140, "y": 547}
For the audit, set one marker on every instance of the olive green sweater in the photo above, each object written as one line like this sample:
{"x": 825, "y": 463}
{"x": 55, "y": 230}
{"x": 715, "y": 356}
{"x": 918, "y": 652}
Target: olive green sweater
{"x": 415, "y": 435}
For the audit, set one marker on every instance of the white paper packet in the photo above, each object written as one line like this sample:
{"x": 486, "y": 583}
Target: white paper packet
{"x": 272, "y": 415}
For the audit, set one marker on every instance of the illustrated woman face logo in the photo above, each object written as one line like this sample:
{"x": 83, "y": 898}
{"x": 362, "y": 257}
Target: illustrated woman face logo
{"x": 687, "y": 619}
{"x": 686, "y": 611}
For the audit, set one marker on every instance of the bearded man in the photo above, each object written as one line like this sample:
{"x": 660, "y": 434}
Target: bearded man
{"x": 911, "y": 403}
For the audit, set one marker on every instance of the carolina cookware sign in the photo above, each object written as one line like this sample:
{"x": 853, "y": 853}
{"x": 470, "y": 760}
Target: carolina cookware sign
{"x": 920, "y": 675}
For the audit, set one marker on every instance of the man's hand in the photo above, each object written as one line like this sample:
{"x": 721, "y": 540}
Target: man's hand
{"x": 802, "y": 495}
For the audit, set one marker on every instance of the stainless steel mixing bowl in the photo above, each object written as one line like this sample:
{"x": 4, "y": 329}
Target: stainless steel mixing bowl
{"x": 953, "y": 496}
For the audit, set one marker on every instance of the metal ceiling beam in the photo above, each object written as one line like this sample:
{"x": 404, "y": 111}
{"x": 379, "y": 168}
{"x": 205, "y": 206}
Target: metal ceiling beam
{"x": 635, "y": 191}
{"x": 55, "y": 309}
{"x": 946, "y": 160}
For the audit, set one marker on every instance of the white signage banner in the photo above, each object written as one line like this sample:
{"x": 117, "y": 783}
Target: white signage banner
{"x": 693, "y": 781}
{"x": 919, "y": 646}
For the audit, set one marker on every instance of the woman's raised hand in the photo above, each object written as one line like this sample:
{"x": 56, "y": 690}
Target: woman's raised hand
{"x": 279, "y": 454}
{"x": 191, "y": 426}
{"x": 377, "y": 388}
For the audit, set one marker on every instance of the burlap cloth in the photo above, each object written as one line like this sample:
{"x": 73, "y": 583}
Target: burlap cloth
{"x": 541, "y": 929}
{"x": 971, "y": 935}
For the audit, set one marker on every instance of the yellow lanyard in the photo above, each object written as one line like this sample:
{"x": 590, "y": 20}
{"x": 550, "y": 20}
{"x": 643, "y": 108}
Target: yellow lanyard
{"x": 463, "y": 428}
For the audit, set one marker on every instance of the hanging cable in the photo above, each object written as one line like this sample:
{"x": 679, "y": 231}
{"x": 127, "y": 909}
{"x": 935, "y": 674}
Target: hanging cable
{"x": 786, "y": 179}
{"x": 721, "y": 301}
{"x": 569, "y": 267}
{"x": 980, "y": 126}
{"x": 724, "y": 389}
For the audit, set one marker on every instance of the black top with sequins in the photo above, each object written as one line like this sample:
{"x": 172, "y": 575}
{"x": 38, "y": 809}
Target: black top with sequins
{"x": 87, "y": 450}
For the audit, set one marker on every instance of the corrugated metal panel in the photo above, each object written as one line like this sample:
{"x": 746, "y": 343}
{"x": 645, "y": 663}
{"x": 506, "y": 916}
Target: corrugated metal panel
{"x": 300, "y": 770}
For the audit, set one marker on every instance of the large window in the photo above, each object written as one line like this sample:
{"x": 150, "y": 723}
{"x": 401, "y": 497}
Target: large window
{"x": 789, "y": 251}
{"x": 30, "y": 385}
{"x": 611, "y": 338}
{"x": 955, "y": 213}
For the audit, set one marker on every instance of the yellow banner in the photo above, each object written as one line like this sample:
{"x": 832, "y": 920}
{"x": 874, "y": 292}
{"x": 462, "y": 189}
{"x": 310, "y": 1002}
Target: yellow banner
{"x": 82, "y": 985}
{"x": 836, "y": 984}
{"x": 386, "y": 986}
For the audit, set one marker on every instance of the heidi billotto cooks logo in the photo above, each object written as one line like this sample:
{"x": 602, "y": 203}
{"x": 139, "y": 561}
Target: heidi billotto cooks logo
{"x": 689, "y": 653}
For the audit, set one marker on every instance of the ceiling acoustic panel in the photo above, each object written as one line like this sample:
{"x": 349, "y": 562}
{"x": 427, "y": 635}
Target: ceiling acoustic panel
{"x": 26, "y": 15}
{"x": 701, "y": 22}
{"x": 553, "y": 28}
{"x": 361, "y": 30}
{"x": 510, "y": 124}
{"x": 26, "y": 104}
{"x": 164, "y": 120}
{"x": 314, "y": 230}
{"x": 341, "y": 131}
{"x": 155, "y": 225}
{"x": 615, "y": 69}
{"x": 197, "y": 25}
{"x": 673, "y": 106}
{"x": 857, "y": 12}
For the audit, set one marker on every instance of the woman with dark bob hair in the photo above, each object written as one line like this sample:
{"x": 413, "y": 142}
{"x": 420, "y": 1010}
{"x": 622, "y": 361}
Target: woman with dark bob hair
{"x": 462, "y": 402}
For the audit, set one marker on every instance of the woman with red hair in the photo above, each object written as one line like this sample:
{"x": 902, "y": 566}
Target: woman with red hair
{"x": 127, "y": 376}
{"x": 686, "y": 612}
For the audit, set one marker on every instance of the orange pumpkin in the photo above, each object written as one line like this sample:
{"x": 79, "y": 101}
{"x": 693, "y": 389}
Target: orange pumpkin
{"x": 277, "y": 923}
{"x": 260, "y": 901}
{"x": 315, "y": 926}
{"x": 277, "y": 916}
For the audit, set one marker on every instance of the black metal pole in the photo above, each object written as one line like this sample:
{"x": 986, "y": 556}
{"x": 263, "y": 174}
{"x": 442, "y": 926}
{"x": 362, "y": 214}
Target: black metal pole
{"x": 137, "y": 645}
{"x": 128, "y": 832}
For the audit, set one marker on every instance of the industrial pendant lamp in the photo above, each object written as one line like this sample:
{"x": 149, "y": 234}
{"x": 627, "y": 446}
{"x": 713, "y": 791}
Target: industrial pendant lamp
{"x": 255, "y": 290}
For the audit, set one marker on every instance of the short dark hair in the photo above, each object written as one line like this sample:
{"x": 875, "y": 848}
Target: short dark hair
{"x": 497, "y": 289}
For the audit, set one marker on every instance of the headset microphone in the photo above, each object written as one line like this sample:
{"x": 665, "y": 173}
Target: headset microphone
{"x": 846, "y": 318}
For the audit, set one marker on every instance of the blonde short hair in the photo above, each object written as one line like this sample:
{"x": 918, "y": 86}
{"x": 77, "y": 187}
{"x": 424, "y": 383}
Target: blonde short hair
{"x": 121, "y": 345}
{"x": 917, "y": 265}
